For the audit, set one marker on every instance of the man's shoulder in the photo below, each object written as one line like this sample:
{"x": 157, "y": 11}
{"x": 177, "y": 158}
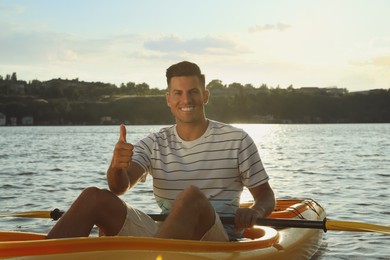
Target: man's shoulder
{"x": 166, "y": 130}
{"x": 164, "y": 134}
{"x": 223, "y": 127}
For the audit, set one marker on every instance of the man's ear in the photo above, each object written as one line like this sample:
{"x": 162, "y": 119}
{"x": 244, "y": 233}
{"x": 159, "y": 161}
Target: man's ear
{"x": 167, "y": 99}
{"x": 206, "y": 96}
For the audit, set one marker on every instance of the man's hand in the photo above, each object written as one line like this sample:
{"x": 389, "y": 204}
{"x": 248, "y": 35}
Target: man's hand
{"x": 246, "y": 217}
{"x": 264, "y": 204}
{"x": 123, "y": 151}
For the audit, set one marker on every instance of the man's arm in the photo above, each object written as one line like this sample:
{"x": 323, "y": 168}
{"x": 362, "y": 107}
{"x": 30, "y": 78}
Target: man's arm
{"x": 122, "y": 173}
{"x": 264, "y": 204}
{"x": 122, "y": 179}
{"x": 264, "y": 198}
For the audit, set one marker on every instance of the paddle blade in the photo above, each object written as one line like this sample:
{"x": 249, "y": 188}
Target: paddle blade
{"x": 30, "y": 214}
{"x": 356, "y": 226}
{"x": 54, "y": 214}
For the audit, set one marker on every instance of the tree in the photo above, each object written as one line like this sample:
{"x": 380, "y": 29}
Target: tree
{"x": 14, "y": 77}
{"x": 290, "y": 88}
{"x": 236, "y": 86}
{"x": 215, "y": 84}
{"x": 249, "y": 87}
{"x": 142, "y": 88}
{"x": 264, "y": 88}
{"x": 130, "y": 88}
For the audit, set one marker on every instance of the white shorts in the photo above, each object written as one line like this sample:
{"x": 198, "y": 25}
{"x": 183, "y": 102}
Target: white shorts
{"x": 140, "y": 224}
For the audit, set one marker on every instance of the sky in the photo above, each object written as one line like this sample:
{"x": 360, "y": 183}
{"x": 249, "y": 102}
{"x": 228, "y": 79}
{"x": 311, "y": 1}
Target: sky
{"x": 303, "y": 43}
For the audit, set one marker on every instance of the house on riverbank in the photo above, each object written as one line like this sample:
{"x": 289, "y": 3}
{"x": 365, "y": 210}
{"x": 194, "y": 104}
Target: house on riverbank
{"x": 3, "y": 119}
{"x": 27, "y": 120}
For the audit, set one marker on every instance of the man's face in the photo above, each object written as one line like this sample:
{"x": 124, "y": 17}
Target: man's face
{"x": 186, "y": 98}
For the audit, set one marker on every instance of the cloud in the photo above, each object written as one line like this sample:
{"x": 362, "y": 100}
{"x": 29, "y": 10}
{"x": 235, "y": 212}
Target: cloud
{"x": 10, "y": 10}
{"x": 45, "y": 46}
{"x": 381, "y": 61}
{"x": 377, "y": 61}
{"x": 269, "y": 27}
{"x": 375, "y": 54}
{"x": 381, "y": 43}
{"x": 64, "y": 55}
{"x": 205, "y": 45}
{"x": 30, "y": 47}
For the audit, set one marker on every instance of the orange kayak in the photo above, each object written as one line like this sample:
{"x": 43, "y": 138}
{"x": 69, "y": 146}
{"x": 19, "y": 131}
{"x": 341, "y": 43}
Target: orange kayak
{"x": 259, "y": 242}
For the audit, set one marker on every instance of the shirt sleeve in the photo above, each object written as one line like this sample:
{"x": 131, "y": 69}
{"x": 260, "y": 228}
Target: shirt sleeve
{"x": 142, "y": 154}
{"x": 251, "y": 168}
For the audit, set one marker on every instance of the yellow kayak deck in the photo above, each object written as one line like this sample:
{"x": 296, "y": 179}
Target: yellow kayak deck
{"x": 259, "y": 241}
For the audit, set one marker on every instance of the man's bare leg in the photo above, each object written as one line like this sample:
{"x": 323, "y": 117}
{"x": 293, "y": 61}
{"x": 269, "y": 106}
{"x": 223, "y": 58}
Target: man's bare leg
{"x": 191, "y": 216}
{"x": 94, "y": 206}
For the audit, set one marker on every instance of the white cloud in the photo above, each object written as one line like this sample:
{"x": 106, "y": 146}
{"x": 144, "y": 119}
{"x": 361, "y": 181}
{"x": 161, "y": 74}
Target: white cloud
{"x": 269, "y": 27}
{"x": 10, "y": 10}
{"x": 381, "y": 43}
{"x": 373, "y": 51}
{"x": 64, "y": 55}
{"x": 381, "y": 61}
{"x": 205, "y": 45}
{"x": 376, "y": 61}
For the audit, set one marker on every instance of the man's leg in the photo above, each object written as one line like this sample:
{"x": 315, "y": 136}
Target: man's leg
{"x": 191, "y": 216}
{"x": 94, "y": 206}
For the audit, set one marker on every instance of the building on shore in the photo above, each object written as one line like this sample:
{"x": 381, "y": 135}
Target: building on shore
{"x": 27, "y": 120}
{"x": 3, "y": 119}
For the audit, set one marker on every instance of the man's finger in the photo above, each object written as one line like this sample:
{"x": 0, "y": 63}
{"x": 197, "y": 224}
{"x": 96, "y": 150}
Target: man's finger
{"x": 122, "y": 135}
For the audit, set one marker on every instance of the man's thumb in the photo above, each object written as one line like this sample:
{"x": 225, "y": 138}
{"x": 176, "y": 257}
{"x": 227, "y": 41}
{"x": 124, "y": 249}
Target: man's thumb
{"x": 122, "y": 136}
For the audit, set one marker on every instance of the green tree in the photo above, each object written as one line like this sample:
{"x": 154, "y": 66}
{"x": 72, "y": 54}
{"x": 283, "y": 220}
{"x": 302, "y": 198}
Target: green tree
{"x": 142, "y": 88}
{"x": 215, "y": 84}
{"x": 14, "y": 77}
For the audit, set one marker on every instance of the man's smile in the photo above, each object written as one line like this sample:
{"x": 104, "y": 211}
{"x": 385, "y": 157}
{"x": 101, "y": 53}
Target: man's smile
{"x": 187, "y": 109}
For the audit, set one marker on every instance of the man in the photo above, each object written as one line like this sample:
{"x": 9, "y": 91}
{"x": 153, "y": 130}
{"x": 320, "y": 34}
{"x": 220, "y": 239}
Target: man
{"x": 199, "y": 168}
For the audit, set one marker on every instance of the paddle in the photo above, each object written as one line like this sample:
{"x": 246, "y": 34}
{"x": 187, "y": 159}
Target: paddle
{"x": 325, "y": 225}
{"x": 54, "y": 214}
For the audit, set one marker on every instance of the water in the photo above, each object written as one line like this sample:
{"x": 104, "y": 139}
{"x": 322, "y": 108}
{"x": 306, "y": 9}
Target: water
{"x": 345, "y": 167}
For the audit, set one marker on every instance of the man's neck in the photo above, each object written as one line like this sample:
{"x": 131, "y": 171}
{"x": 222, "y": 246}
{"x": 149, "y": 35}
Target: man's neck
{"x": 191, "y": 131}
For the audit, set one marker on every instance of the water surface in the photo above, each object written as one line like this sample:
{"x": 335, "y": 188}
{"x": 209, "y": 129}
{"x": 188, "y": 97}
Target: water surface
{"x": 345, "y": 167}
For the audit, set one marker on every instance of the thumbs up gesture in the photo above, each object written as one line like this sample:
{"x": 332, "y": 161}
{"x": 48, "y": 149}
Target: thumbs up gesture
{"x": 122, "y": 133}
{"x": 123, "y": 151}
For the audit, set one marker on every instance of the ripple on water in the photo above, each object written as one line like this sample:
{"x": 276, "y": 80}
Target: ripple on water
{"x": 9, "y": 186}
{"x": 56, "y": 170}
{"x": 344, "y": 167}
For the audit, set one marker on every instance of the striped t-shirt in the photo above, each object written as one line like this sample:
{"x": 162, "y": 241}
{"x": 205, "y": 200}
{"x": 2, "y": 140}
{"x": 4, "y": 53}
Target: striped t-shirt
{"x": 220, "y": 163}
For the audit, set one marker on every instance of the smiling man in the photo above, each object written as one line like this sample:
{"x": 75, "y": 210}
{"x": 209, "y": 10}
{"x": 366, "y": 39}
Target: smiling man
{"x": 186, "y": 98}
{"x": 199, "y": 169}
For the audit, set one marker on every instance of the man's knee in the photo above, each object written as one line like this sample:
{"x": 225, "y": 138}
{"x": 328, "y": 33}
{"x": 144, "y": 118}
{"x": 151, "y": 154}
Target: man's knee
{"x": 91, "y": 193}
{"x": 192, "y": 193}
{"x": 94, "y": 195}
{"x": 191, "y": 197}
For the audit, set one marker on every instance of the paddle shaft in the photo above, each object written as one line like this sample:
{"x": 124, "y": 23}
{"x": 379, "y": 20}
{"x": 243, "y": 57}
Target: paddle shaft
{"x": 296, "y": 223}
{"x": 324, "y": 225}
{"x": 283, "y": 223}
{"x": 273, "y": 222}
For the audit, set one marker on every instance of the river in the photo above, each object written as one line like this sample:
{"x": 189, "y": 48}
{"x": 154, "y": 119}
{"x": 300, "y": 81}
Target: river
{"x": 345, "y": 167}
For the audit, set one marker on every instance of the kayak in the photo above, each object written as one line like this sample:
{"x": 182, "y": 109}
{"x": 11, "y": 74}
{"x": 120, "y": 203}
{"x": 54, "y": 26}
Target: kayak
{"x": 263, "y": 242}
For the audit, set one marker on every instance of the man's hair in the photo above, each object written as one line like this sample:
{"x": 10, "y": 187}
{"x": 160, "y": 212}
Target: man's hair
{"x": 185, "y": 68}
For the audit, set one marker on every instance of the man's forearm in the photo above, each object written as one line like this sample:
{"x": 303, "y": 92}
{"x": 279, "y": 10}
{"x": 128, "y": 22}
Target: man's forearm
{"x": 264, "y": 201}
{"x": 118, "y": 180}
{"x": 265, "y": 206}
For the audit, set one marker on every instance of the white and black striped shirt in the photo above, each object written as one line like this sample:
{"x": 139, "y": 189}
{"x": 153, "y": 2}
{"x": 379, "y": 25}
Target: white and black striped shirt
{"x": 220, "y": 163}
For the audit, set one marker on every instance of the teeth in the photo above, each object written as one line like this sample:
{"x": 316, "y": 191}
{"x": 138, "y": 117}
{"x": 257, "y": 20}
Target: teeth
{"x": 187, "y": 109}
